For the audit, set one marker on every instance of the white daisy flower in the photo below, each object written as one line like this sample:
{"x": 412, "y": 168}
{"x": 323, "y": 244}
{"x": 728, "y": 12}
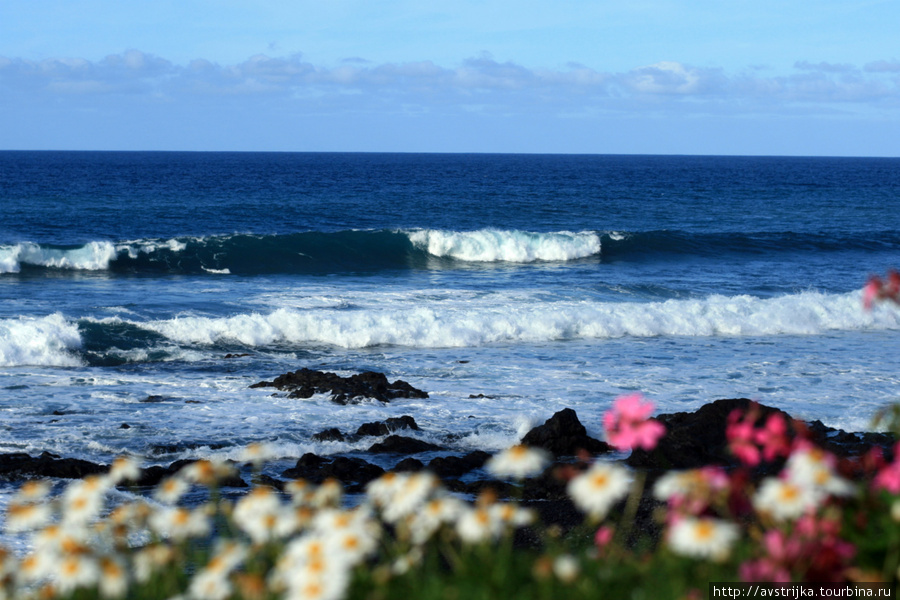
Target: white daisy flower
{"x": 566, "y": 568}
{"x": 124, "y": 468}
{"x": 383, "y": 489}
{"x": 704, "y": 537}
{"x": 426, "y": 521}
{"x": 330, "y": 520}
{"x": 351, "y": 545}
{"x": 693, "y": 483}
{"x": 113, "y": 579}
{"x": 307, "y": 567}
{"x": 36, "y": 566}
{"x": 814, "y": 468}
{"x": 258, "y": 513}
{"x": 302, "y": 492}
{"x": 179, "y": 523}
{"x": 8, "y": 563}
{"x": 519, "y": 462}
{"x": 150, "y": 559}
{"x": 330, "y": 493}
{"x": 512, "y": 514}
{"x": 785, "y": 499}
{"x": 27, "y": 517}
{"x": 411, "y": 493}
{"x": 207, "y": 472}
{"x": 596, "y": 490}
{"x": 63, "y": 538}
{"x": 307, "y": 584}
{"x": 131, "y": 515}
{"x": 404, "y": 564}
{"x": 478, "y": 525}
{"x": 210, "y": 585}
{"x": 83, "y": 499}
{"x": 228, "y": 555}
{"x": 74, "y": 571}
{"x": 171, "y": 489}
{"x": 33, "y": 491}
{"x": 258, "y": 453}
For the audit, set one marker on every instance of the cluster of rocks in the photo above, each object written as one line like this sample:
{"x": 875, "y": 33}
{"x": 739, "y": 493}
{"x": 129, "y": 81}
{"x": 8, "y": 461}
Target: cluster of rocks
{"x": 368, "y": 384}
{"x": 22, "y": 466}
{"x": 693, "y": 439}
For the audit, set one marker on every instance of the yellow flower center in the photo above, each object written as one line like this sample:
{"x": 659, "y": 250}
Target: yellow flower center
{"x": 789, "y": 492}
{"x": 704, "y": 530}
{"x": 600, "y": 480}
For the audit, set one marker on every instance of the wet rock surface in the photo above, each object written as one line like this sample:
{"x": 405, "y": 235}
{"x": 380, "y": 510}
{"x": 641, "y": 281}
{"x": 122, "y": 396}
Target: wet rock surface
{"x": 693, "y": 439}
{"x": 304, "y": 383}
{"x": 564, "y": 435}
{"x": 354, "y": 473}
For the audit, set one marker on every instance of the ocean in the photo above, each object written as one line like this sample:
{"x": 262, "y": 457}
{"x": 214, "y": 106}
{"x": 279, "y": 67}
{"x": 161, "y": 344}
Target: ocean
{"x": 506, "y": 286}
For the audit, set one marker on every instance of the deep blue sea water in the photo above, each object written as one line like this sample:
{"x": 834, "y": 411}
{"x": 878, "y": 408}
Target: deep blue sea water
{"x": 507, "y": 286}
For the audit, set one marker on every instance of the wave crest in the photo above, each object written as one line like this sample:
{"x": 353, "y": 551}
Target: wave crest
{"x": 93, "y": 256}
{"x": 466, "y": 324}
{"x": 494, "y": 245}
{"x": 45, "y": 341}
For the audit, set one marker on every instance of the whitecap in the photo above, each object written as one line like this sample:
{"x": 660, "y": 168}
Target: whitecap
{"x": 495, "y": 245}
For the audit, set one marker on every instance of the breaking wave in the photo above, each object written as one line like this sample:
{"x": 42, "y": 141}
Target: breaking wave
{"x": 46, "y": 341}
{"x": 500, "y": 320}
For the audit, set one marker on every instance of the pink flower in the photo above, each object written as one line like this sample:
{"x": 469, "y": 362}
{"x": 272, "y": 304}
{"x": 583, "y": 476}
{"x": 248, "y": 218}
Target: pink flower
{"x": 872, "y": 292}
{"x": 603, "y": 537}
{"x": 876, "y": 289}
{"x": 888, "y": 478}
{"x": 773, "y": 438}
{"x": 627, "y": 425}
{"x": 892, "y": 289}
{"x": 741, "y": 437}
{"x": 764, "y": 570}
{"x": 751, "y": 444}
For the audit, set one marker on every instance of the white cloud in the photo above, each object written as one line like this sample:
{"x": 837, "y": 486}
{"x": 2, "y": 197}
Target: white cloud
{"x": 665, "y": 78}
{"x": 480, "y": 82}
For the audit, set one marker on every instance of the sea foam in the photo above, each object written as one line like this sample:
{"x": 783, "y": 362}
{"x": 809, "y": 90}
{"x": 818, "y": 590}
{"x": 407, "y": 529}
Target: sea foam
{"x": 501, "y": 319}
{"x": 45, "y": 341}
{"x": 491, "y": 245}
{"x": 93, "y": 256}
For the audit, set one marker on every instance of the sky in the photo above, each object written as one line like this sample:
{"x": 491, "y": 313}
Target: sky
{"x": 747, "y": 77}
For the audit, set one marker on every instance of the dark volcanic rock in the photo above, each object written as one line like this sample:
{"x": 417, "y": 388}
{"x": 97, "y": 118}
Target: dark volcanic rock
{"x": 697, "y": 438}
{"x": 306, "y": 382}
{"x": 20, "y": 465}
{"x": 352, "y": 470}
{"x": 409, "y": 465}
{"x": 152, "y": 476}
{"x": 564, "y": 435}
{"x": 399, "y": 444}
{"x": 354, "y": 473}
{"x": 329, "y": 435}
{"x": 388, "y": 426}
{"x": 378, "y": 428}
{"x": 307, "y": 467}
{"x": 849, "y": 445}
{"x": 454, "y": 466}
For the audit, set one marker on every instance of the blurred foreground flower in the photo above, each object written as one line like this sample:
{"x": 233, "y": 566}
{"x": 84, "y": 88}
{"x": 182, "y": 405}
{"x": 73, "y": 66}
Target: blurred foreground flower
{"x": 877, "y": 290}
{"x": 519, "y": 461}
{"x": 627, "y": 424}
{"x": 596, "y": 490}
{"x": 704, "y": 537}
